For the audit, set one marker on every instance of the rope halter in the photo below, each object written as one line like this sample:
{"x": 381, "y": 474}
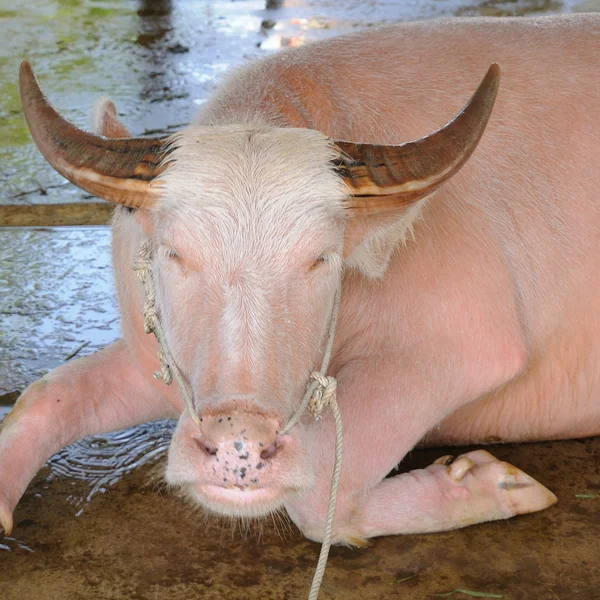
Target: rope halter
{"x": 321, "y": 391}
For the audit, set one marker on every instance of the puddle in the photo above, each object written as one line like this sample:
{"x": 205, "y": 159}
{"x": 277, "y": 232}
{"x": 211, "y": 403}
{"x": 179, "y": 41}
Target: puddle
{"x": 56, "y": 294}
{"x": 9, "y": 544}
{"x": 102, "y": 460}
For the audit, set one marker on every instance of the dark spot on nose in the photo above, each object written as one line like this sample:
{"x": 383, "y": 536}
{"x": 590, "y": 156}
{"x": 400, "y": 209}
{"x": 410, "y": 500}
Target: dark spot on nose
{"x": 254, "y": 480}
{"x": 260, "y": 465}
{"x": 229, "y": 418}
{"x": 220, "y": 420}
{"x": 238, "y": 445}
{"x": 243, "y": 472}
{"x": 244, "y": 456}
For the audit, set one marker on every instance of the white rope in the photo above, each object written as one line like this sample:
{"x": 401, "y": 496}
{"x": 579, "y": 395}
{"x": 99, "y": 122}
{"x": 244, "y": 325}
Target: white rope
{"x": 320, "y": 393}
{"x": 168, "y": 368}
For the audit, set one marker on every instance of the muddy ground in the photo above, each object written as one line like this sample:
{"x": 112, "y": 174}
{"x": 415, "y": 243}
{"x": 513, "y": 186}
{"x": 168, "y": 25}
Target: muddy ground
{"x": 96, "y": 522}
{"x": 97, "y": 525}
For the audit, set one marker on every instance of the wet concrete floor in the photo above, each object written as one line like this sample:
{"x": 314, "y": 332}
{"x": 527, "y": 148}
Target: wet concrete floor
{"x": 96, "y": 523}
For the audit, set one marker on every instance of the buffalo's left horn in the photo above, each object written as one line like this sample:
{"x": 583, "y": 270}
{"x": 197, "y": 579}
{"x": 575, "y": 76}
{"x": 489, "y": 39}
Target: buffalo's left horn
{"x": 384, "y": 178}
{"x": 118, "y": 170}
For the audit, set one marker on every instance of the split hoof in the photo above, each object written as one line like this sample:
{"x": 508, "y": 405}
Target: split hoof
{"x": 525, "y": 494}
{"x": 509, "y": 491}
{"x": 6, "y": 521}
{"x": 460, "y": 467}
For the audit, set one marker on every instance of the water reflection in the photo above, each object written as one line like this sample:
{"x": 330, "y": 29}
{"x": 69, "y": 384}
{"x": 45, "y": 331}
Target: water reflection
{"x": 56, "y": 293}
{"x": 9, "y": 544}
{"x": 510, "y": 8}
{"x": 102, "y": 460}
{"x": 157, "y": 38}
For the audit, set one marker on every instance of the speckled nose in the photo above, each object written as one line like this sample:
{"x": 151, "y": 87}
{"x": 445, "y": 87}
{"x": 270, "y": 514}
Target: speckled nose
{"x": 240, "y": 447}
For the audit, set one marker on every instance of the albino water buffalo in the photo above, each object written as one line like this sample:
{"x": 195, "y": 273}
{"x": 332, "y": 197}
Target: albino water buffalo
{"x": 468, "y": 315}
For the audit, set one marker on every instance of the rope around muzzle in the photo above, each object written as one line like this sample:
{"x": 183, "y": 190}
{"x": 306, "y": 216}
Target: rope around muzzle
{"x": 321, "y": 392}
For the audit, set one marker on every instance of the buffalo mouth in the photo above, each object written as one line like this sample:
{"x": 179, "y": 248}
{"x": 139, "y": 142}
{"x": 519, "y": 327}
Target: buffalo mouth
{"x": 238, "y": 501}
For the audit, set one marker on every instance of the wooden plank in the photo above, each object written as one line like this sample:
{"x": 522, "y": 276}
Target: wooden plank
{"x": 55, "y": 215}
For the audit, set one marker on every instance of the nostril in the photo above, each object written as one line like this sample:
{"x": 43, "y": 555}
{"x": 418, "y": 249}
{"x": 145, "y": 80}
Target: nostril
{"x": 205, "y": 446}
{"x": 271, "y": 450}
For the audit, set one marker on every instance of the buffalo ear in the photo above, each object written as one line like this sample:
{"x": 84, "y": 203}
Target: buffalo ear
{"x": 370, "y": 240}
{"x": 106, "y": 121}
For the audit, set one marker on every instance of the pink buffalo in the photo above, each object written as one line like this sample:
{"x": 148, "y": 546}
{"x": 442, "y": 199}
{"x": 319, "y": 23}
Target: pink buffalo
{"x": 467, "y": 259}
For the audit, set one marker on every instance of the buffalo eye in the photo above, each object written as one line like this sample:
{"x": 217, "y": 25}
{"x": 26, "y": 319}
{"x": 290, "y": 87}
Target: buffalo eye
{"x": 169, "y": 252}
{"x": 318, "y": 262}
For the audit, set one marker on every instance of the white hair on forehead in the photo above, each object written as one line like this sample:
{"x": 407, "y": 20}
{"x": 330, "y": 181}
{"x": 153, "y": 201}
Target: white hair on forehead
{"x": 247, "y": 177}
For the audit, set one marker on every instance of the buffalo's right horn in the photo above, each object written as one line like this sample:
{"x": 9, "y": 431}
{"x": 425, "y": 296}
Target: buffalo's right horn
{"x": 384, "y": 178}
{"x": 118, "y": 170}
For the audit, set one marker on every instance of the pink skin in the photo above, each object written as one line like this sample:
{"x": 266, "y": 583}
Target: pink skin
{"x": 89, "y": 395}
{"x": 486, "y": 328}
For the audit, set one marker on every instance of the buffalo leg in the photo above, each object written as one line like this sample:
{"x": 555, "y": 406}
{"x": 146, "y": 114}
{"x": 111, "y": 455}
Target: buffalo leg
{"x": 384, "y": 418}
{"x": 475, "y": 488}
{"x": 92, "y": 394}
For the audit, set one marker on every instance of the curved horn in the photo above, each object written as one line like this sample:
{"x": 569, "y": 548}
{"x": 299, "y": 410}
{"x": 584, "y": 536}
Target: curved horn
{"x": 118, "y": 170}
{"x": 383, "y": 178}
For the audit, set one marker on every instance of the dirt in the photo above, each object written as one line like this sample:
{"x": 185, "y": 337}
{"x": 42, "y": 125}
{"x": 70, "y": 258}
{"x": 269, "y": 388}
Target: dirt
{"x": 80, "y": 538}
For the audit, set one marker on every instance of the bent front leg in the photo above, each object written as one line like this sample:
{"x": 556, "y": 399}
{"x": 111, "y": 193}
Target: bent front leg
{"x": 388, "y": 403}
{"x": 93, "y": 394}
{"x": 474, "y": 488}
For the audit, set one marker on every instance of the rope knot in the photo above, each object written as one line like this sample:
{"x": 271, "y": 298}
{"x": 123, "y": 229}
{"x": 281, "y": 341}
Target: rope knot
{"x": 150, "y": 315}
{"x": 323, "y": 394}
{"x": 143, "y": 262}
{"x": 165, "y": 370}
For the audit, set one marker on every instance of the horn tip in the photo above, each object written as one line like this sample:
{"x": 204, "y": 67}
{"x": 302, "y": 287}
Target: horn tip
{"x": 27, "y": 79}
{"x": 494, "y": 70}
{"x": 25, "y": 69}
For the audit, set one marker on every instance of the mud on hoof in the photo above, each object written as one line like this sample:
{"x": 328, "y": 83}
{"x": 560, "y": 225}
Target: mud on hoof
{"x": 494, "y": 487}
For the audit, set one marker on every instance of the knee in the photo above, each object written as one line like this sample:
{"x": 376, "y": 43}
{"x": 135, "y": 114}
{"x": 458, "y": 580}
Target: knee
{"x": 311, "y": 520}
{"x": 26, "y": 402}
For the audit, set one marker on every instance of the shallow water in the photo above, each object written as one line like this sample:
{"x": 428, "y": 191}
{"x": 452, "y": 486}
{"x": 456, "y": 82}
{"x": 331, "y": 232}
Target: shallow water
{"x": 56, "y": 296}
{"x": 96, "y": 523}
